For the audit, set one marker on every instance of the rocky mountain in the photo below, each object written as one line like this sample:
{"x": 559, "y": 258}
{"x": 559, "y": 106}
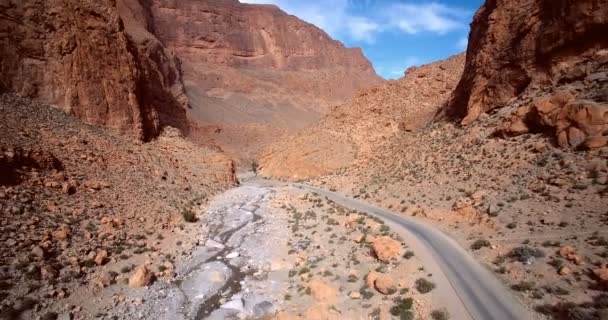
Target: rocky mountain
{"x": 252, "y": 71}
{"x": 79, "y": 203}
{"x": 136, "y": 66}
{"x": 526, "y": 46}
{"x": 257, "y": 58}
{"x": 82, "y": 57}
{"x": 357, "y": 128}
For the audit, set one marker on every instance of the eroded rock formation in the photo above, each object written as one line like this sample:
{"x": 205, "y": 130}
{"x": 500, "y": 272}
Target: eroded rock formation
{"x": 539, "y": 45}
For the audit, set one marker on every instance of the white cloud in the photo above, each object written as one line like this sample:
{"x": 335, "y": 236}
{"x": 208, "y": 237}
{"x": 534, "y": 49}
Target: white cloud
{"x": 432, "y": 17}
{"x": 363, "y": 20}
{"x": 362, "y": 29}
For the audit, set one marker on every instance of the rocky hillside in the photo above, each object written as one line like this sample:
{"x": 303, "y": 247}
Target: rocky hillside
{"x": 355, "y": 129}
{"x": 77, "y": 200}
{"x": 84, "y": 58}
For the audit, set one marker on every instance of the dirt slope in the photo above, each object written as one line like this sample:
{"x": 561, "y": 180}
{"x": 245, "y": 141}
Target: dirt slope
{"x": 76, "y": 200}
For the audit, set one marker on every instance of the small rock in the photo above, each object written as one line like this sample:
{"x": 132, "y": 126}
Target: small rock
{"x": 38, "y": 252}
{"x": 569, "y": 253}
{"x": 322, "y": 292}
{"x": 384, "y": 284}
{"x": 565, "y": 271}
{"x": 602, "y": 273}
{"x": 386, "y": 248}
{"x": 48, "y": 272}
{"x": 493, "y": 210}
{"x": 236, "y": 304}
{"x": 214, "y": 244}
{"x": 263, "y": 309}
{"x": 65, "y": 316}
{"x": 101, "y": 258}
{"x": 104, "y": 279}
{"x": 354, "y": 295}
{"x": 141, "y": 278}
{"x": 232, "y": 255}
{"x": 68, "y": 188}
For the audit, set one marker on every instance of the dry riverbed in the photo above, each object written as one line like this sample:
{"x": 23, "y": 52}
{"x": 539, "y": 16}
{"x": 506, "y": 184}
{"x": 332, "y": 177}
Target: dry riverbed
{"x": 278, "y": 252}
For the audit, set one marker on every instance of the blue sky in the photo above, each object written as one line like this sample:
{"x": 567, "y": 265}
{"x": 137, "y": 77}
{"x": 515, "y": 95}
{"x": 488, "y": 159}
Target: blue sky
{"x": 394, "y": 34}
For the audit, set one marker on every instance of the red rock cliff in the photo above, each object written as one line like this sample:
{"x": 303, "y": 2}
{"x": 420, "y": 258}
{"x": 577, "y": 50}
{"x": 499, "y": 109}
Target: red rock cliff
{"x": 114, "y": 62}
{"x": 258, "y": 58}
{"x": 78, "y": 56}
{"x": 521, "y": 44}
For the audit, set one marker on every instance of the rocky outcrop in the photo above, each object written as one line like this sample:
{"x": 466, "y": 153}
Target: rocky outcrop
{"x": 78, "y": 56}
{"x": 539, "y": 45}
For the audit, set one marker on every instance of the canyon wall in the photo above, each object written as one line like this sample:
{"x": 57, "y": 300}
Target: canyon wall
{"x": 258, "y": 56}
{"x": 79, "y": 57}
{"x": 136, "y": 66}
{"x": 525, "y": 45}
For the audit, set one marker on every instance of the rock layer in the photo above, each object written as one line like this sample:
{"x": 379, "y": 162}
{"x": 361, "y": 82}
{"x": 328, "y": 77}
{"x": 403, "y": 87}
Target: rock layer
{"x": 78, "y": 56}
{"x": 522, "y": 45}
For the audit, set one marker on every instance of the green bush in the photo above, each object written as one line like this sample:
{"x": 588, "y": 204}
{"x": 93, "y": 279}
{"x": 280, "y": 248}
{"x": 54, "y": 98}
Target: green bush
{"x": 408, "y": 254}
{"x": 526, "y": 253}
{"x": 523, "y": 286}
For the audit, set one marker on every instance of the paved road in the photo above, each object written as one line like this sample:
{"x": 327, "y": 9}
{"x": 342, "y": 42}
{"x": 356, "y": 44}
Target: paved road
{"x": 483, "y": 296}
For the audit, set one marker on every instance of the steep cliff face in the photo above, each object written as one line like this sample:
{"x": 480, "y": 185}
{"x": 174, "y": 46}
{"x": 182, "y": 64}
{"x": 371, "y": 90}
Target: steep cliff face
{"x": 78, "y": 56}
{"x": 115, "y": 63}
{"x": 526, "y": 45}
{"x": 254, "y": 70}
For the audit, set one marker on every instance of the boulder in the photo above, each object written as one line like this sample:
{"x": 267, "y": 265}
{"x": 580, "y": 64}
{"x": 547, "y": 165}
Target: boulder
{"x": 141, "y": 278}
{"x": 322, "y": 292}
{"x": 386, "y": 248}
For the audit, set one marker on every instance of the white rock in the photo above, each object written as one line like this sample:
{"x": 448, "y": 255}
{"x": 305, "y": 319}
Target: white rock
{"x": 234, "y": 305}
{"x": 214, "y": 244}
{"x": 232, "y": 255}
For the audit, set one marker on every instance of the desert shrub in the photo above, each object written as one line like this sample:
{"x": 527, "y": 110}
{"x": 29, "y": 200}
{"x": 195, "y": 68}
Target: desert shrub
{"x": 440, "y": 315}
{"x": 189, "y": 216}
{"x": 526, "y": 253}
{"x": 366, "y": 293}
{"x": 424, "y": 286}
{"x": 408, "y": 254}
{"x": 402, "y": 308}
{"x": 523, "y": 286}
{"x": 480, "y": 244}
